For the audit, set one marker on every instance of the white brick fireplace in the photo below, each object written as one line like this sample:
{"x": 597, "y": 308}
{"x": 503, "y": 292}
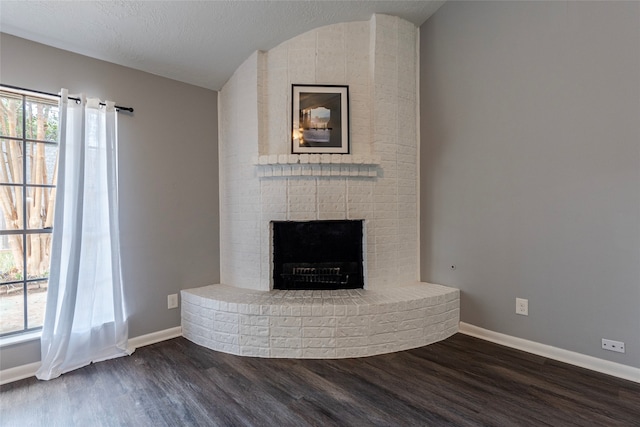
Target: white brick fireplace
{"x": 377, "y": 60}
{"x": 260, "y": 181}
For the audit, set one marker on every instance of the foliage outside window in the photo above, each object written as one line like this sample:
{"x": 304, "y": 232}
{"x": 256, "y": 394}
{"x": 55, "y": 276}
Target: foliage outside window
{"x": 28, "y": 170}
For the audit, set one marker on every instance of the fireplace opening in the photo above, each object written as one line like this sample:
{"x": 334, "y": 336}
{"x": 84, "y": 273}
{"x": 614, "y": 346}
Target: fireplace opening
{"x": 317, "y": 254}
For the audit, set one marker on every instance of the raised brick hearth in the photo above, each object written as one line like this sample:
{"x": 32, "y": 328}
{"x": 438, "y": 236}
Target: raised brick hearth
{"x": 319, "y": 324}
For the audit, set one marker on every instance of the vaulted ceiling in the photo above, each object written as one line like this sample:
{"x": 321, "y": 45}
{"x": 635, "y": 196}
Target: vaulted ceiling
{"x": 197, "y": 42}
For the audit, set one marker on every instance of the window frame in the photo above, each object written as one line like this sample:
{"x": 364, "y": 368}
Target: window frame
{"x": 24, "y": 186}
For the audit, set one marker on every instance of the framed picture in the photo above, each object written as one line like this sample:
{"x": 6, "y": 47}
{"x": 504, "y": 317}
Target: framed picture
{"x": 320, "y": 119}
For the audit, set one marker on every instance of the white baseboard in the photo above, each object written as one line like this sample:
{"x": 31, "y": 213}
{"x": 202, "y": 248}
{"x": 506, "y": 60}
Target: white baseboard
{"x": 153, "y": 338}
{"x": 25, "y": 371}
{"x": 18, "y": 373}
{"x": 593, "y": 363}
{"x": 589, "y": 362}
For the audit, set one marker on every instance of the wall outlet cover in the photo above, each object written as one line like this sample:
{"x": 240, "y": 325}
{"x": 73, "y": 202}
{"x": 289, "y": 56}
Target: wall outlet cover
{"x": 522, "y": 306}
{"x": 612, "y": 345}
{"x": 172, "y": 301}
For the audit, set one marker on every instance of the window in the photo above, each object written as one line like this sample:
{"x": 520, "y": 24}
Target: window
{"x": 28, "y": 168}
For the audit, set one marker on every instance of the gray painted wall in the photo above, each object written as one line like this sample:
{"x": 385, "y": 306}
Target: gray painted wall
{"x": 530, "y": 160}
{"x": 168, "y": 177}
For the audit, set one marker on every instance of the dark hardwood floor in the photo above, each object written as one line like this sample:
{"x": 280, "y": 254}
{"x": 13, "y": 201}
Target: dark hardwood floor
{"x": 461, "y": 381}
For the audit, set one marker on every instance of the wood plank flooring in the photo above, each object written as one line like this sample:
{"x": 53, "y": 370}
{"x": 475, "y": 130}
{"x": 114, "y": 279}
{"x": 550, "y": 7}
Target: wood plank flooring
{"x": 461, "y": 381}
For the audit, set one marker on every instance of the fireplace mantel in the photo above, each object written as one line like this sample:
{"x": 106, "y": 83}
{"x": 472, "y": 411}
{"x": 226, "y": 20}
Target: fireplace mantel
{"x": 345, "y": 165}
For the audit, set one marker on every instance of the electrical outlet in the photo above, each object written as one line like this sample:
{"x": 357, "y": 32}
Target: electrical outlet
{"x": 172, "y": 301}
{"x": 522, "y": 306}
{"x": 613, "y": 345}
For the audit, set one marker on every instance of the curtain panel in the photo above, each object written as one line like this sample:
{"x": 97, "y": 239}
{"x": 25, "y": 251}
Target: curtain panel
{"x": 85, "y": 319}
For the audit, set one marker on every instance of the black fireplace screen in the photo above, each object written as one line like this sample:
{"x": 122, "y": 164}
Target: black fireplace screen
{"x": 317, "y": 254}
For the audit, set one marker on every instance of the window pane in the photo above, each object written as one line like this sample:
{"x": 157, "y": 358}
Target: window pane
{"x": 38, "y": 247}
{"x": 11, "y": 162}
{"x": 11, "y": 258}
{"x": 41, "y": 163}
{"x": 27, "y": 175}
{"x": 11, "y": 208}
{"x": 42, "y": 120}
{"x": 10, "y": 115}
{"x": 36, "y": 300}
{"x": 40, "y": 202}
{"x": 11, "y": 308}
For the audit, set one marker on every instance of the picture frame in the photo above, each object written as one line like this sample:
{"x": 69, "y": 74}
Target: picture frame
{"x": 319, "y": 119}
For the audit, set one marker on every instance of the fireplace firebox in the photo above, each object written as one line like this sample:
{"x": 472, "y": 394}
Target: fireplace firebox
{"x": 317, "y": 254}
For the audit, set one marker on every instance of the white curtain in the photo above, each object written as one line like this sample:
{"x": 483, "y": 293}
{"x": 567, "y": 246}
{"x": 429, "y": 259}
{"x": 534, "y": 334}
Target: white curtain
{"x": 85, "y": 319}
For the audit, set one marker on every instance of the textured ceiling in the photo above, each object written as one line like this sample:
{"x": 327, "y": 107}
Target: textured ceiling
{"x": 197, "y": 42}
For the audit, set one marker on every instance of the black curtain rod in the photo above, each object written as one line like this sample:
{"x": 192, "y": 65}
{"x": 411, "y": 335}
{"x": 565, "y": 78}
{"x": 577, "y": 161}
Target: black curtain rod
{"x": 118, "y": 108}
